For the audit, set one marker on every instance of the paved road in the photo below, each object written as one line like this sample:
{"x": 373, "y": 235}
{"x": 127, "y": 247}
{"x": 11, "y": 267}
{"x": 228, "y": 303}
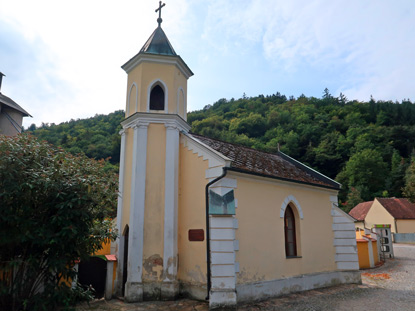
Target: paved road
{"x": 387, "y": 288}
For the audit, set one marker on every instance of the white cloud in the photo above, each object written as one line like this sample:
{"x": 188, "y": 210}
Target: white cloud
{"x": 365, "y": 41}
{"x": 70, "y": 66}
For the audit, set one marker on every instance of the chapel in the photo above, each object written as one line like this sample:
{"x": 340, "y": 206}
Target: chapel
{"x": 207, "y": 219}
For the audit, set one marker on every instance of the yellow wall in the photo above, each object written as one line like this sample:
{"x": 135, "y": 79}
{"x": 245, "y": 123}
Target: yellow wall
{"x": 154, "y": 203}
{"x": 359, "y": 224}
{"x": 363, "y": 253}
{"x": 192, "y": 181}
{"x": 261, "y": 230}
{"x": 134, "y": 76}
{"x": 405, "y": 225}
{"x": 379, "y": 215}
{"x": 146, "y": 73}
{"x": 105, "y": 250}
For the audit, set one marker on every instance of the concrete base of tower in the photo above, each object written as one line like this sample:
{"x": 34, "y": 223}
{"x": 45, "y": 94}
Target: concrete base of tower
{"x": 170, "y": 290}
{"x": 133, "y": 292}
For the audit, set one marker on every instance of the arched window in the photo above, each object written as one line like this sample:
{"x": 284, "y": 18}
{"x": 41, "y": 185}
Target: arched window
{"x": 157, "y": 98}
{"x": 289, "y": 229}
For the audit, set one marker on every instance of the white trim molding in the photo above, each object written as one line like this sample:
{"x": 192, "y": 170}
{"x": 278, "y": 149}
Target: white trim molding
{"x": 159, "y": 118}
{"x": 184, "y": 112}
{"x": 170, "y": 285}
{"x": 166, "y": 94}
{"x": 119, "y": 251}
{"x": 288, "y": 200}
{"x": 159, "y": 59}
{"x": 216, "y": 159}
{"x": 344, "y": 238}
{"x": 129, "y": 98}
{"x": 134, "y": 286}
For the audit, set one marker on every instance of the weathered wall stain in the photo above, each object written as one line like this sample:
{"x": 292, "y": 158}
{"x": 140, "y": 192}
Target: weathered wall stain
{"x": 197, "y": 275}
{"x": 168, "y": 272}
{"x": 153, "y": 267}
{"x": 245, "y": 276}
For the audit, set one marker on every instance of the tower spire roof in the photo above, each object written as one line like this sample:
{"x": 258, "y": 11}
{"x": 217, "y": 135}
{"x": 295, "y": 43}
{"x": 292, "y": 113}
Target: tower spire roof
{"x": 158, "y": 42}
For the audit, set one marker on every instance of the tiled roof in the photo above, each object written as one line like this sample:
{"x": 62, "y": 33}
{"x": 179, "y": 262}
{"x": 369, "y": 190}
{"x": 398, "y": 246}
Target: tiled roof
{"x": 7, "y": 101}
{"x": 360, "y": 211}
{"x": 267, "y": 164}
{"x": 398, "y": 208}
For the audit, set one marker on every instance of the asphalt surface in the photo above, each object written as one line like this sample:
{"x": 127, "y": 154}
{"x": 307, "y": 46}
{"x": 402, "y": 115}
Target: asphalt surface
{"x": 389, "y": 287}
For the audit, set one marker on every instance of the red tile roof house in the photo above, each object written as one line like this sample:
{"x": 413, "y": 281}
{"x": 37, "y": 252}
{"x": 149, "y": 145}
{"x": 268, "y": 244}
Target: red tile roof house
{"x": 398, "y": 212}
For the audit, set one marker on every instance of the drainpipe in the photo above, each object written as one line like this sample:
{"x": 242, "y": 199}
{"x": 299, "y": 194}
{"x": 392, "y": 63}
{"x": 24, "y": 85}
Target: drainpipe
{"x": 209, "y": 283}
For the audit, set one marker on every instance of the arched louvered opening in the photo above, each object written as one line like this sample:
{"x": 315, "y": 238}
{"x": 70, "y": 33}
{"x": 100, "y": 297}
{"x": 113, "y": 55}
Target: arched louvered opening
{"x": 157, "y": 98}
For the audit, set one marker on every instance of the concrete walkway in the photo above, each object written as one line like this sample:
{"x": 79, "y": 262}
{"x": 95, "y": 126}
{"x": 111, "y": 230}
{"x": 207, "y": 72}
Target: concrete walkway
{"x": 390, "y": 287}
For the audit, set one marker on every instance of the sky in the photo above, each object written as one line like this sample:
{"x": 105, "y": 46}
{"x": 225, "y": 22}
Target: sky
{"x": 62, "y": 59}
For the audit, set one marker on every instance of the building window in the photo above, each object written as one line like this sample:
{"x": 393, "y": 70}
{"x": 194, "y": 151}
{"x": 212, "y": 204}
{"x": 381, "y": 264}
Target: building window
{"x": 289, "y": 229}
{"x": 157, "y": 98}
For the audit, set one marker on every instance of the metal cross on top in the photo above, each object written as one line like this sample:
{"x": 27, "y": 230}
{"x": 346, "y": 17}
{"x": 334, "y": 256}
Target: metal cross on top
{"x": 159, "y": 20}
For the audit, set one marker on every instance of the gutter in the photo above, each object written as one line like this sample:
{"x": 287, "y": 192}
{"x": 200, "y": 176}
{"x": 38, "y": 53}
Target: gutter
{"x": 208, "y": 272}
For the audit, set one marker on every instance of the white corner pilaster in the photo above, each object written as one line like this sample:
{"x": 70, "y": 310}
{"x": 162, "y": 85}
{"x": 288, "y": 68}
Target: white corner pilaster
{"x": 344, "y": 238}
{"x": 223, "y": 263}
{"x": 120, "y": 252}
{"x": 108, "y": 281}
{"x": 170, "y": 285}
{"x": 134, "y": 286}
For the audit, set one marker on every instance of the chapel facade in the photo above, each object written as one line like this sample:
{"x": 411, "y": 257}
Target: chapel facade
{"x": 207, "y": 219}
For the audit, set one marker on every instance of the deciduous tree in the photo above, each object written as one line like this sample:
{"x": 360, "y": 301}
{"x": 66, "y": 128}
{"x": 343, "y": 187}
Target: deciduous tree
{"x": 55, "y": 210}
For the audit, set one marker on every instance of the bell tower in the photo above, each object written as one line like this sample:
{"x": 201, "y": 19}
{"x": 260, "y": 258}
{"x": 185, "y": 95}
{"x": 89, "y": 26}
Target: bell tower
{"x": 157, "y": 77}
{"x": 147, "y": 213}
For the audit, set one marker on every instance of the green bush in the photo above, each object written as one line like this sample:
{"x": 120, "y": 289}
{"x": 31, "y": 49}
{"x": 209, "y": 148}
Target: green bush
{"x": 55, "y": 210}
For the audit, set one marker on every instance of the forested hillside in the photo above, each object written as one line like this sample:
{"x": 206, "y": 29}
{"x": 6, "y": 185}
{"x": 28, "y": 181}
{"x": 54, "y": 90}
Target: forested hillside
{"x": 96, "y": 137}
{"x": 365, "y": 146}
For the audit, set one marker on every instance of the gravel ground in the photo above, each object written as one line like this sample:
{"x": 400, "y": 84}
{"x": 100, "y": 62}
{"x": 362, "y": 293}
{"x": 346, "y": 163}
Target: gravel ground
{"x": 389, "y": 287}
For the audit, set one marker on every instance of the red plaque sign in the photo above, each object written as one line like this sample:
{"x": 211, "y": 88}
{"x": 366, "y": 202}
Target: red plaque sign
{"x": 196, "y": 235}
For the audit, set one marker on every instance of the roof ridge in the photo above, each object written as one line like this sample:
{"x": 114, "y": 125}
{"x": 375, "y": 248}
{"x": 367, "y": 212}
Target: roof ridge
{"x": 237, "y": 145}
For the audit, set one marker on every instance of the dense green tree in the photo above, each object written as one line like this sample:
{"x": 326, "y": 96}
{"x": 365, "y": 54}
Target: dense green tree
{"x": 353, "y": 198}
{"x": 366, "y": 171}
{"x": 94, "y": 137}
{"x": 409, "y": 189}
{"x": 55, "y": 210}
{"x": 396, "y": 179}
